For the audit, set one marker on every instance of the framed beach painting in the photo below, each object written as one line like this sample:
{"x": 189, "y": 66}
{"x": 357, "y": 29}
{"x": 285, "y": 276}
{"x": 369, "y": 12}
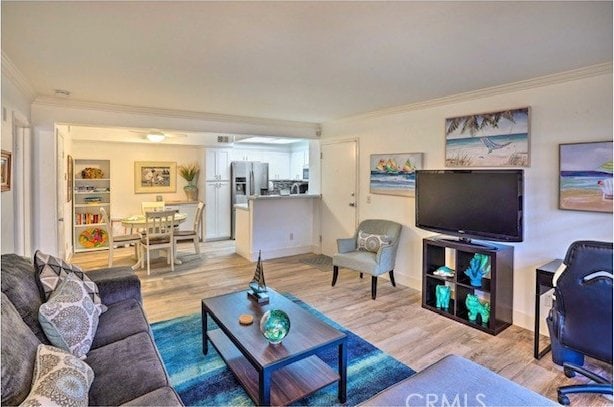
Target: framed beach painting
{"x": 394, "y": 174}
{"x": 585, "y": 176}
{"x": 155, "y": 177}
{"x": 496, "y": 139}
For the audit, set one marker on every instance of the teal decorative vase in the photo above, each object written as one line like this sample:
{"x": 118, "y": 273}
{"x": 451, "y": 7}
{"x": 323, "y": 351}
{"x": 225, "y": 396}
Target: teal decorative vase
{"x": 442, "y": 296}
{"x": 275, "y": 325}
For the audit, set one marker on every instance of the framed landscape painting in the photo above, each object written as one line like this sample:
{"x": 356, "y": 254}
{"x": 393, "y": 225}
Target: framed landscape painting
{"x": 497, "y": 139}
{"x": 585, "y": 176}
{"x": 394, "y": 174}
{"x": 155, "y": 177}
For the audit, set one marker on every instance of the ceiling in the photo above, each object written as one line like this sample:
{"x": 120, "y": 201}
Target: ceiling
{"x": 303, "y": 61}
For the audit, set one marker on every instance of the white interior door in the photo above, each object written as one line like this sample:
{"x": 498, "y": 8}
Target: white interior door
{"x": 339, "y": 193}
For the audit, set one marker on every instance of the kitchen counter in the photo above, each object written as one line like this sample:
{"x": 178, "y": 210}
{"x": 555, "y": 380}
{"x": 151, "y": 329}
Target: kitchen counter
{"x": 291, "y": 196}
{"x": 277, "y": 225}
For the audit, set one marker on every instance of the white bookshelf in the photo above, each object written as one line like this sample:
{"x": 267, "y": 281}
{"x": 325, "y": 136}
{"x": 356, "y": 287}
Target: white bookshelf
{"x": 90, "y": 194}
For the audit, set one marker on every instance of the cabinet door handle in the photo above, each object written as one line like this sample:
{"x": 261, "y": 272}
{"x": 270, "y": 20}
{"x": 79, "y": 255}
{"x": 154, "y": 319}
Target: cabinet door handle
{"x": 352, "y": 204}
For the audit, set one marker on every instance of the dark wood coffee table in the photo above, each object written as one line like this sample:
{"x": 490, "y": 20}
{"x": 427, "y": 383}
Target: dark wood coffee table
{"x": 274, "y": 374}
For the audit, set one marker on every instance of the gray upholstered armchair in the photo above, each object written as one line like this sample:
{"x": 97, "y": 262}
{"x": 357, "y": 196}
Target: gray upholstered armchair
{"x": 372, "y": 250}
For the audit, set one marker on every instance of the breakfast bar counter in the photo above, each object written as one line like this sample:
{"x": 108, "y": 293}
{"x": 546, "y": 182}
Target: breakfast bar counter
{"x": 277, "y": 225}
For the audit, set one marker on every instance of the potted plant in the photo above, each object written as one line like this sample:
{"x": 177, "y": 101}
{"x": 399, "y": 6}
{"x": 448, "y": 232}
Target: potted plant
{"x": 190, "y": 172}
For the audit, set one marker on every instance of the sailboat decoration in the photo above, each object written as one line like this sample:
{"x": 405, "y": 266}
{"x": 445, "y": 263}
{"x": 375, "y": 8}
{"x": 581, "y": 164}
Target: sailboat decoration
{"x": 257, "y": 287}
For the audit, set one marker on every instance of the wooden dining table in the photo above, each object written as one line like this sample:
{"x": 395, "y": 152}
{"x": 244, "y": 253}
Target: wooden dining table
{"x": 138, "y": 222}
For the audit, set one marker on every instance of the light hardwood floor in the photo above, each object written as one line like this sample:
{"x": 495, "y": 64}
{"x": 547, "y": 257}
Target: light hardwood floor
{"x": 395, "y": 322}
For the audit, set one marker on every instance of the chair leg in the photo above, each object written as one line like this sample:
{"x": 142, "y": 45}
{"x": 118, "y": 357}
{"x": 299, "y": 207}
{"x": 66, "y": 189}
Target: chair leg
{"x": 373, "y": 287}
{"x": 391, "y": 274}
{"x": 172, "y": 257}
{"x": 360, "y": 275}
{"x": 110, "y": 255}
{"x": 196, "y": 245}
{"x": 335, "y": 275}
{"x": 148, "y": 269}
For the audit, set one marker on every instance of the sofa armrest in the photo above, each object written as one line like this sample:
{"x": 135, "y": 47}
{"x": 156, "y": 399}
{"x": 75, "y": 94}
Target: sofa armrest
{"x": 346, "y": 245}
{"x": 117, "y": 284}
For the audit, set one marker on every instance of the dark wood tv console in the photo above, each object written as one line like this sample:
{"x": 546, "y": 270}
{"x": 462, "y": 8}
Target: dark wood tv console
{"x": 497, "y": 287}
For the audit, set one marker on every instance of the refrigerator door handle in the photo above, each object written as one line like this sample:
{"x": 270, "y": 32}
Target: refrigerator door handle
{"x": 251, "y": 182}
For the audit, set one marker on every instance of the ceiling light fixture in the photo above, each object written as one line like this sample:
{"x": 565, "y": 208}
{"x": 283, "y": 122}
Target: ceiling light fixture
{"x": 156, "y": 137}
{"x": 61, "y": 93}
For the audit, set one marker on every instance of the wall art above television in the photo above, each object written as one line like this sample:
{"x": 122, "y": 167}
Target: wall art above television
{"x": 585, "y": 176}
{"x": 496, "y": 139}
{"x": 394, "y": 174}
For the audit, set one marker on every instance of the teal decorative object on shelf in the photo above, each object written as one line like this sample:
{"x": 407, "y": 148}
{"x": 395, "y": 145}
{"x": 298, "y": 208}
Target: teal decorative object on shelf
{"x": 442, "y": 295}
{"x": 275, "y": 325}
{"x": 479, "y": 266}
{"x": 475, "y": 307}
{"x": 444, "y": 271}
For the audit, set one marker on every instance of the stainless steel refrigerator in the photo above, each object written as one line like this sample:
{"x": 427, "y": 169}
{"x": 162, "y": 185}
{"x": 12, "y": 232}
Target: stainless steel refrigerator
{"x": 247, "y": 178}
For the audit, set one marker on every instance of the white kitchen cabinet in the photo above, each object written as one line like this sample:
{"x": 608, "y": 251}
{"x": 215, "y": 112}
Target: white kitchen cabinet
{"x": 217, "y": 165}
{"x": 297, "y": 162}
{"x": 217, "y": 209}
{"x": 245, "y": 154}
{"x": 279, "y": 164}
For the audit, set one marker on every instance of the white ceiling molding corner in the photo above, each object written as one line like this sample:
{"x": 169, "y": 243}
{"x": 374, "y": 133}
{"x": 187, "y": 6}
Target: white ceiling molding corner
{"x": 561, "y": 77}
{"x": 11, "y": 72}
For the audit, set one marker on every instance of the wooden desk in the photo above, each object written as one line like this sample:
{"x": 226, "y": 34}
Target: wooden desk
{"x": 543, "y": 284}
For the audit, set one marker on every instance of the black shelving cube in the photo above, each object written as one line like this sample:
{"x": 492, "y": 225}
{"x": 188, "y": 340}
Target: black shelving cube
{"x": 497, "y": 286}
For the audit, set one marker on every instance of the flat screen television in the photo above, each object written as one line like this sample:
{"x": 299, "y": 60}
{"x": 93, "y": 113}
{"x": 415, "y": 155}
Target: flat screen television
{"x": 478, "y": 204}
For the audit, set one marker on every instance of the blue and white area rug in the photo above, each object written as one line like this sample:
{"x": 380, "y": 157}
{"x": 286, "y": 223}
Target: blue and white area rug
{"x": 206, "y": 380}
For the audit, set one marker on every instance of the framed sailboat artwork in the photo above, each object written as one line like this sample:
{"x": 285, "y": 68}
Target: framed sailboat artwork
{"x": 394, "y": 174}
{"x": 496, "y": 139}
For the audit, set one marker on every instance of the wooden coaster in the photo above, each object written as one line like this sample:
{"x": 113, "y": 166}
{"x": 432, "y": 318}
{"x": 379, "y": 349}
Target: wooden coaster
{"x": 246, "y": 319}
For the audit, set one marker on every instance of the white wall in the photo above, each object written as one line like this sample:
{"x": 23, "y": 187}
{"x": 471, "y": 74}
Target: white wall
{"x": 124, "y": 201}
{"x": 574, "y": 111}
{"x": 15, "y": 105}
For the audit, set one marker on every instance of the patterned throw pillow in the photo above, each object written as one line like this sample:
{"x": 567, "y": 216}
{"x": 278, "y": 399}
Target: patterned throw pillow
{"x": 370, "y": 242}
{"x": 70, "y": 319}
{"x": 59, "y": 379}
{"x": 52, "y": 270}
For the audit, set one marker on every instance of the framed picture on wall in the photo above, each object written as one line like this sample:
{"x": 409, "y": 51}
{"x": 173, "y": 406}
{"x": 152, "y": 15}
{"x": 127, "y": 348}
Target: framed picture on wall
{"x": 585, "y": 176}
{"x": 155, "y": 177}
{"x": 394, "y": 174}
{"x": 5, "y": 171}
{"x": 495, "y": 139}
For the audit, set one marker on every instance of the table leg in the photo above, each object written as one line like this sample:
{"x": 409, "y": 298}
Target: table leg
{"x": 537, "y": 318}
{"x": 343, "y": 363}
{"x": 204, "y": 328}
{"x": 264, "y": 387}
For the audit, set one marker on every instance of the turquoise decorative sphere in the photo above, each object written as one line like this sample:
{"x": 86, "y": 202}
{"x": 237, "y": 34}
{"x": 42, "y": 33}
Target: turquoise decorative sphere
{"x": 275, "y": 325}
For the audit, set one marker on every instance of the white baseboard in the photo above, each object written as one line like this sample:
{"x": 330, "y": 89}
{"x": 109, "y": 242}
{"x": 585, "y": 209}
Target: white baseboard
{"x": 276, "y": 253}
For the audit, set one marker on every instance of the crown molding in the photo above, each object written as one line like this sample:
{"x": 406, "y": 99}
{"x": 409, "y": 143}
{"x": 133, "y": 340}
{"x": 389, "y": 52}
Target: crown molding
{"x": 11, "y": 72}
{"x": 567, "y": 76}
{"x": 51, "y": 101}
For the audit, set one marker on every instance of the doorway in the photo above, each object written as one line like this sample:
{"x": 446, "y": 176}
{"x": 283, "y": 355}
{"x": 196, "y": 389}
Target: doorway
{"x": 339, "y": 211}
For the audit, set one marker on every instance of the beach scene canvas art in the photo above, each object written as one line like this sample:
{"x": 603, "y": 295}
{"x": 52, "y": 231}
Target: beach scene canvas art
{"x": 586, "y": 176}
{"x": 498, "y": 139}
{"x": 394, "y": 174}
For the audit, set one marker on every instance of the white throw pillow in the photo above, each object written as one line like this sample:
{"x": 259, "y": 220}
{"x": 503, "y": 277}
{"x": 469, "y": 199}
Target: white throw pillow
{"x": 70, "y": 319}
{"x": 371, "y": 242}
{"x": 59, "y": 379}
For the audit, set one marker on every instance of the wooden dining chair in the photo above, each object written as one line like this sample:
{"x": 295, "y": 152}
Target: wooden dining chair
{"x": 118, "y": 240}
{"x": 152, "y": 206}
{"x": 194, "y": 234}
{"x": 159, "y": 234}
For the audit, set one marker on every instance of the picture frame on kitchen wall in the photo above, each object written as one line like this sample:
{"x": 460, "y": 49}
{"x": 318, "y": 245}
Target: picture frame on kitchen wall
{"x": 155, "y": 177}
{"x": 585, "y": 176}
{"x": 394, "y": 174}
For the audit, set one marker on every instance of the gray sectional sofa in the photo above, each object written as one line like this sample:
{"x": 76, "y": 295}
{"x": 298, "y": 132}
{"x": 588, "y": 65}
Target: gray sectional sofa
{"x": 127, "y": 366}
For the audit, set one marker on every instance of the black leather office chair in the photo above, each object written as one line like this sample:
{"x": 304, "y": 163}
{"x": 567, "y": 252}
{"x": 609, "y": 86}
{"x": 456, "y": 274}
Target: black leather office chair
{"x": 580, "y": 321}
